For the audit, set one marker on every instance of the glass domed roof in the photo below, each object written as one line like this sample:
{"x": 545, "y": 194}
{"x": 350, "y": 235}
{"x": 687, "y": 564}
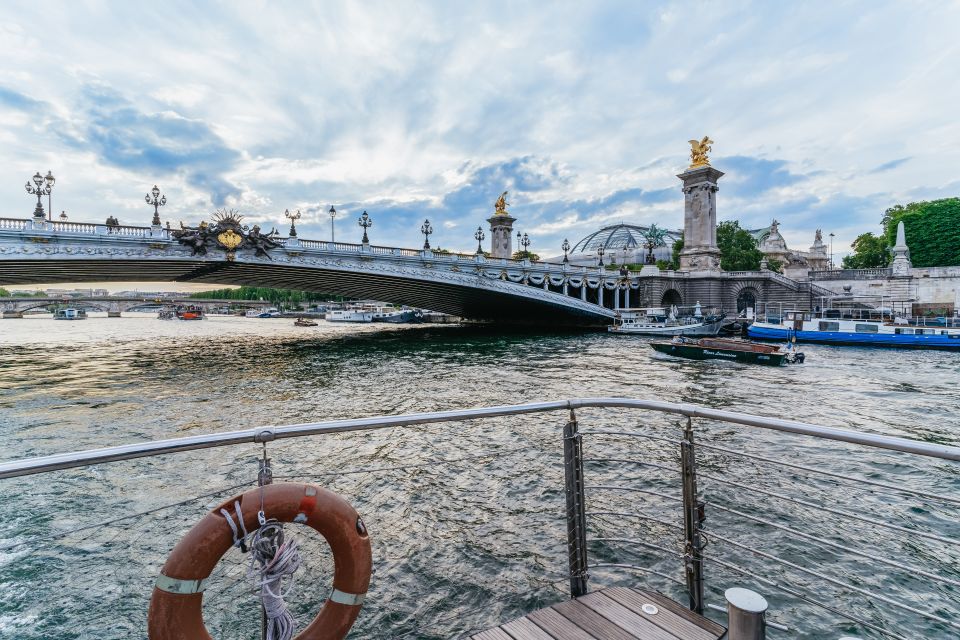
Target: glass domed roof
{"x": 618, "y": 236}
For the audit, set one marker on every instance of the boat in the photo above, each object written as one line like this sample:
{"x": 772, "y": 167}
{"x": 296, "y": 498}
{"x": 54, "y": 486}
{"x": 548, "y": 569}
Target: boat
{"x": 182, "y": 312}
{"x": 349, "y": 315}
{"x": 304, "y": 322}
{"x": 728, "y": 349}
{"x": 69, "y": 313}
{"x": 397, "y": 316}
{"x": 374, "y": 313}
{"x": 189, "y": 313}
{"x": 658, "y": 321}
{"x": 271, "y": 312}
{"x": 853, "y": 324}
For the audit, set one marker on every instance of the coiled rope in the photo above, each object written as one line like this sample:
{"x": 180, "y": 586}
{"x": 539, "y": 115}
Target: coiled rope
{"x": 273, "y": 557}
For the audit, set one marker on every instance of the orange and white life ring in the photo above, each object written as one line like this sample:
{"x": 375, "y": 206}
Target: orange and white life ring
{"x": 175, "y": 607}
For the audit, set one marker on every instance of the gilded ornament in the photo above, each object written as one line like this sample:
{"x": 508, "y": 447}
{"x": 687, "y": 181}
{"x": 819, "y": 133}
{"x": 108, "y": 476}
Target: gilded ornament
{"x": 500, "y": 206}
{"x": 698, "y": 152}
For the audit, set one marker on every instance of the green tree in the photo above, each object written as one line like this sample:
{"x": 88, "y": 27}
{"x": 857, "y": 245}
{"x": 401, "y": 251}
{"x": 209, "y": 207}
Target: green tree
{"x": 4, "y": 293}
{"x": 675, "y": 258}
{"x": 869, "y": 252}
{"x": 738, "y": 249}
{"x": 520, "y": 255}
{"x": 932, "y": 230}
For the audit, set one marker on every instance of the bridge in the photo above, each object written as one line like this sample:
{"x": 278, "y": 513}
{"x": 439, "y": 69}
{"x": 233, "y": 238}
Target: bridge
{"x": 472, "y": 286}
{"x": 15, "y": 307}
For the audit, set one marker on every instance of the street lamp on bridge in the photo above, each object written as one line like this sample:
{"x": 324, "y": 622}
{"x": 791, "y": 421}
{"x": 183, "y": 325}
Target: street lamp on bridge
{"x": 293, "y": 221}
{"x": 566, "y": 248}
{"x": 157, "y": 201}
{"x": 366, "y": 222}
{"x": 426, "y": 229}
{"x": 478, "y": 235}
{"x": 50, "y": 180}
{"x": 600, "y": 253}
{"x": 333, "y": 214}
{"x": 525, "y": 243}
{"x": 40, "y": 189}
{"x": 831, "y": 252}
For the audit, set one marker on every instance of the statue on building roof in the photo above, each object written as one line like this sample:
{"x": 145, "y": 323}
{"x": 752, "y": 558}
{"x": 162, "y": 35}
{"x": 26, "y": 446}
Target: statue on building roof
{"x": 819, "y": 237}
{"x": 698, "y": 152}
{"x": 500, "y": 206}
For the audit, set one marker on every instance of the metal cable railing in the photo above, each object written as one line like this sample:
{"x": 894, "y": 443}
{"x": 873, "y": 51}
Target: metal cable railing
{"x": 621, "y": 515}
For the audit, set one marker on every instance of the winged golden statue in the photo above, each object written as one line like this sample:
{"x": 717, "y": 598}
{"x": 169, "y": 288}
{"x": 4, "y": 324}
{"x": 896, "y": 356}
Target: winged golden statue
{"x": 698, "y": 152}
{"x": 500, "y": 206}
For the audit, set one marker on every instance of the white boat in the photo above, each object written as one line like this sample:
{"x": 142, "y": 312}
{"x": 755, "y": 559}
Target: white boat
{"x": 658, "y": 321}
{"x": 349, "y": 315}
{"x": 374, "y": 313}
{"x": 849, "y": 322}
{"x": 69, "y": 313}
{"x": 271, "y": 312}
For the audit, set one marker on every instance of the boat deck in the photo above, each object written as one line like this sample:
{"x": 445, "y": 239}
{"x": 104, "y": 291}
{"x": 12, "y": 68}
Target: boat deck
{"x": 610, "y": 614}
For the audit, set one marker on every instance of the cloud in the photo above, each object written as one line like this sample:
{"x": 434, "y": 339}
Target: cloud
{"x": 887, "y": 166}
{"x": 423, "y": 110}
{"x": 157, "y": 143}
{"x": 19, "y": 101}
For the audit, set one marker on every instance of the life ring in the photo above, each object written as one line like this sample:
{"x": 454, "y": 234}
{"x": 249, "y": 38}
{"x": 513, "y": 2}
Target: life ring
{"x": 175, "y": 607}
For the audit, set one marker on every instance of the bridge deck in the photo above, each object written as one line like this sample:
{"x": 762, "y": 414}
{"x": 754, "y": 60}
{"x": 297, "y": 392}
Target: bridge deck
{"x": 609, "y": 614}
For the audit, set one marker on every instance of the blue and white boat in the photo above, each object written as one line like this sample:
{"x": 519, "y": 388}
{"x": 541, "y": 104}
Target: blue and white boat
{"x": 864, "y": 327}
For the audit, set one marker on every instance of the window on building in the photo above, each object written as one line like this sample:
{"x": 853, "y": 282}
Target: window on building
{"x": 867, "y": 328}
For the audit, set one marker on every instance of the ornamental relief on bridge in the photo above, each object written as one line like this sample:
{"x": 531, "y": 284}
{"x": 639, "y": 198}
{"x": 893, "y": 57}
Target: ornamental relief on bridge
{"x": 226, "y": 233}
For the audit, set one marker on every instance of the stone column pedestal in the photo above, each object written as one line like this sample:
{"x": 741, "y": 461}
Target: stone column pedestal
{"x": 501, "y": 235}
{"x": 700, "y": 252}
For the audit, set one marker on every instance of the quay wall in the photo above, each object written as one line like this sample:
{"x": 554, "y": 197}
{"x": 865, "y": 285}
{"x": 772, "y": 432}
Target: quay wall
{"x": 925, "y": 285}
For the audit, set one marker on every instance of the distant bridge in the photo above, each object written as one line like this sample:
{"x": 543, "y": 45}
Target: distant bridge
{"x": 470, "y": 286}
{"x": 14, "y": 306}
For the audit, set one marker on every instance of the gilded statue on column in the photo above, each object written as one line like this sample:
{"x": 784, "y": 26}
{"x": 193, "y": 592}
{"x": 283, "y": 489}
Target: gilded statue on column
{"x": 698, "y": 152}
{"x": 500, "y": 206}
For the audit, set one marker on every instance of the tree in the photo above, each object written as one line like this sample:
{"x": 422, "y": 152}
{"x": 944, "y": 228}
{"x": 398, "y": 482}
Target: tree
{"x": 4, "y": 293}
{"x": 738, "y": 249}
{"x": 869, "y": 252}
{"x": 520, "y": 255}
{"x": 932, "y": 230}
{"x": 675, "y": 258}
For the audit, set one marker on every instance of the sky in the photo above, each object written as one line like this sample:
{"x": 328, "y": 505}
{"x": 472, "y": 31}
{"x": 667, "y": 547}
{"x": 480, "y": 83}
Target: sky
{"x": 823, "y": 114}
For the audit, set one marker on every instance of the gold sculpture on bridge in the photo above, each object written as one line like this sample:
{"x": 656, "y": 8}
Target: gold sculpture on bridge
{"x": 698, "y": 152}
{"x": 500, "y": 206}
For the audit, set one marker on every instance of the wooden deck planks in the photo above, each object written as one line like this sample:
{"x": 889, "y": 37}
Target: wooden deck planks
{"x": 683, "y": 624}
{"x": 526, "y": 629}
{"x": 609, "y": 614}
{"x": 590, "y": 621}
{"x": 553, "y": 622}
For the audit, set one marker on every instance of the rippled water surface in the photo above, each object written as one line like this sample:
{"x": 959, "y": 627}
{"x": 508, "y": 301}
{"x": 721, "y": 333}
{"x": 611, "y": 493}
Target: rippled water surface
{"x": 466, "y": 518}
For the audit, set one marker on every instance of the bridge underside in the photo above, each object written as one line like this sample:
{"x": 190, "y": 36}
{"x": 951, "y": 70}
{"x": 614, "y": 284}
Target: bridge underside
{"x": 478, "y": 303}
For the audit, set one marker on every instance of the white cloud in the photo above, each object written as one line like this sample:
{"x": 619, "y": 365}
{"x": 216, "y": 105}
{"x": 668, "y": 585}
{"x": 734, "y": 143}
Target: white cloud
{"x": 397, "y": 104}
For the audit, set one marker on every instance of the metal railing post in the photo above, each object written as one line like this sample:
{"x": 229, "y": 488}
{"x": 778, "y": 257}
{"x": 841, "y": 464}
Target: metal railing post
{"x": 693, "y": 517}
{"x": 576, "y": 509}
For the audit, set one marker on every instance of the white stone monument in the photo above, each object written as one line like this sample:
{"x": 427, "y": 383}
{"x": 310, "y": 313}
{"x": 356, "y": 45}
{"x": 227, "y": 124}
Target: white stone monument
{"x": 901, "y": 254}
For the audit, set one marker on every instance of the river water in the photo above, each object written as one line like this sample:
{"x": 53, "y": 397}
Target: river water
{"x": 466, "y": 518}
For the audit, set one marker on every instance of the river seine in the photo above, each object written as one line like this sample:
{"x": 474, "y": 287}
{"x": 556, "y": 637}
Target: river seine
{"x": 466, "y": 518}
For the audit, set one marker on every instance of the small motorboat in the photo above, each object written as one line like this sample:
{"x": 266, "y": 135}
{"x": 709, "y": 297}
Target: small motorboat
{"x": 70, "y": 313}
{"x": 728, "y": 349}
{"x": 304, "y": 322}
